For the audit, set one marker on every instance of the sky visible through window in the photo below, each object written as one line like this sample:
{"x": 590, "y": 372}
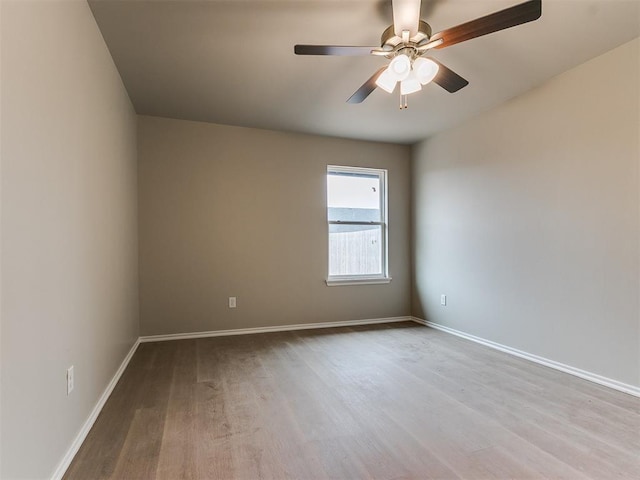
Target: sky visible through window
{"x": 351, "y": 191}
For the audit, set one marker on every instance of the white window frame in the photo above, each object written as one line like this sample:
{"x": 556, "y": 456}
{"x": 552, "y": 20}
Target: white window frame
{"x": 334, "y": 280}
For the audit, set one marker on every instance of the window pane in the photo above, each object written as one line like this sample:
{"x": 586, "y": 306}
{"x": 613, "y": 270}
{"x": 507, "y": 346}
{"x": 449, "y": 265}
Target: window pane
{"x": 355, "y": 249}
{"x": 353, "y": 197}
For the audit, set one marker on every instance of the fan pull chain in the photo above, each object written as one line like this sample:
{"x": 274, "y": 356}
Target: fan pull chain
{"x": 404, "y": 103}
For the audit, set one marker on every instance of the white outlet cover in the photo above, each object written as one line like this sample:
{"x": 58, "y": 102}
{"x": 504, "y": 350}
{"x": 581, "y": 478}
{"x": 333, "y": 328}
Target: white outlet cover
{"x": 70, "y": 380}
{"x": 443, "y": 300}
{"x": 232, "y": 302}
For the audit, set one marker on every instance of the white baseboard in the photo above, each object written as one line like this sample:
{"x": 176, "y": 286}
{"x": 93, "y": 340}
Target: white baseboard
{"x": 84, "y": 431}
{"x": 278, "y": 328}
{"x": 592, "y": 377}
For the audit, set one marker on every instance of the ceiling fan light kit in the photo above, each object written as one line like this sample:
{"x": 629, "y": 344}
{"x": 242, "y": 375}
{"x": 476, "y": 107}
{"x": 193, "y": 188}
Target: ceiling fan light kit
{"x": 407, "y": 41}
{"x": 411, "y": 74}
{"x": 386, "y": 81}
{"x": 426, "y": 69}
{"x": 410, "y": 85}
{"x": 400, "y": 67}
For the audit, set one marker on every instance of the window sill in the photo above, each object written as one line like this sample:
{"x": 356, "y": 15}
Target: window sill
{"x": 334, "y": 282}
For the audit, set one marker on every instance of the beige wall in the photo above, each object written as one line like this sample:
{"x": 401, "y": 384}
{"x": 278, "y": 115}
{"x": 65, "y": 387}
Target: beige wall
{"x": 527, "y": 218}
{"x": 69, "y": 271}
{"x": 228, "y": 211}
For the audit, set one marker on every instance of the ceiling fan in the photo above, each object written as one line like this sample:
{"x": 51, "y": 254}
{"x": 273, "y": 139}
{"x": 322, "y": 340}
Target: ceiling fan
{"x": 409, "y": 39}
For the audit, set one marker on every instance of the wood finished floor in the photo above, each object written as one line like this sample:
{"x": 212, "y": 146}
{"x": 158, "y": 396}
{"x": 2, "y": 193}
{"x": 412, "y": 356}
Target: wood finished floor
{"x": 387, "y": 401}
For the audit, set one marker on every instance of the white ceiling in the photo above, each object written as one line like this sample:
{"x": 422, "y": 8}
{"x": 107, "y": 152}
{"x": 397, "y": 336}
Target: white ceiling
{"x": 232, "y": 62}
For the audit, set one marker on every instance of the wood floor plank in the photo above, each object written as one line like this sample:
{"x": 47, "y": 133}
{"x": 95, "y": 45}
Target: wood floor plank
{"x": 396, "y": 401}
{"x": 214, "y": 454}
{"x": 140, "y": 452}
{"x": 177, "y": 458}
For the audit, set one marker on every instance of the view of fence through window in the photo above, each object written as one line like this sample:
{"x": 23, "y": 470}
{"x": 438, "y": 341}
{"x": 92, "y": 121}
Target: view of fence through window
{"x": 356, "y": 222}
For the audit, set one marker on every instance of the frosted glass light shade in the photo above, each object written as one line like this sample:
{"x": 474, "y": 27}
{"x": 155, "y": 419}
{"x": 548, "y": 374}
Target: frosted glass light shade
{"x": 425, "y": 69}
{"x": 410, "y": 84}
{"x": 400, "y": 67}
{"x": 386, "y": 81}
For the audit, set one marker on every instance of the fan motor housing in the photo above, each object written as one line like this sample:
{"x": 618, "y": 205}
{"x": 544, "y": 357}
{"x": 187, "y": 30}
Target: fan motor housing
{"x": 390, "y": 39}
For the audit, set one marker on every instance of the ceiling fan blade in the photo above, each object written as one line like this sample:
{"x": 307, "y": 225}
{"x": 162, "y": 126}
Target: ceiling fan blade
{"x": 406, "y": 15}
{"x": 367, "y": 87}
{"x": 507, "y": 18}
{"x": 448, "y": 79}
{"x": 332, "y": 50}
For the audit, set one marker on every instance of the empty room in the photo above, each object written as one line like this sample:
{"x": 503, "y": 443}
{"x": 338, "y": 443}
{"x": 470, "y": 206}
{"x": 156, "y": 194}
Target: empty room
{"x": 319, "y": 239}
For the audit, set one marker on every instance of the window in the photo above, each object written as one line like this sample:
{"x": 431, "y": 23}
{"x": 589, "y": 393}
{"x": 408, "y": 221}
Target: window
{"x": 357, "y": 220}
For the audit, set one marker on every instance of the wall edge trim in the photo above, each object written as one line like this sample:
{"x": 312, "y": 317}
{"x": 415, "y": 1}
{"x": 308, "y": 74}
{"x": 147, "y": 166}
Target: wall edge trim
{"x": 577, "y": 372}
{"x": 277, "y": 328}
{"x": 68, "y": 457}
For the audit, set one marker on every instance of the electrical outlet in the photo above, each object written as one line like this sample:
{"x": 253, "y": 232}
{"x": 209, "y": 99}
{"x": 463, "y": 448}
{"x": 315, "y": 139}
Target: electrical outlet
{"x": 443, "y": 300}
{"x": 232, "y": 302}
{"x": 69, "y": 379}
